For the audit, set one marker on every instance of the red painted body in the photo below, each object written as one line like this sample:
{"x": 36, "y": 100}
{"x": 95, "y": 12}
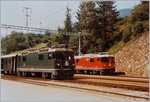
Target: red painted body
{"x": 95, "y": 62}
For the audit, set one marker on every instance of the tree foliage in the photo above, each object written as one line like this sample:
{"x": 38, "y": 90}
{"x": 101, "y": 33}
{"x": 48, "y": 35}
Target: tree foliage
{"x": 87, "y": 25}
{"x": 107, "y": 18}
{"x": 99, "y": 24}
{"x": 140, "y": 12}
{"x": 96, "y": 20}
{"x": 67, "y": 27}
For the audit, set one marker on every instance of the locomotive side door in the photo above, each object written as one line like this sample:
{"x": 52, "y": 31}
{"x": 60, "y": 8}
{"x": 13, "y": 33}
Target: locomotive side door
{"x": 13, "y": 64}
{"x": 2, "y": 65}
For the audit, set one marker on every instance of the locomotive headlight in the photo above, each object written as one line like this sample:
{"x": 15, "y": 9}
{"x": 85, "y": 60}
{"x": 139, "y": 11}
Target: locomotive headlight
{"x": 58, "y": 64}
{"x": 72, "y": 64}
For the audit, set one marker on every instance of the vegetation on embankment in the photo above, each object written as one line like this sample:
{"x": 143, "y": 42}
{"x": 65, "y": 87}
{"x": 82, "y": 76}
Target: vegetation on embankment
{"x": 133, "y": 58}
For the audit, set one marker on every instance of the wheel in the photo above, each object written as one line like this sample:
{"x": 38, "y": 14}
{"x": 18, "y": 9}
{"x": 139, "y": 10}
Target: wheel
{"x": 100, "y": 73}
{"x": 9, "y": 72}
{"x": 24, "y": 74}
{"x": 94, "y": 72}
{"x": 5, "y": 72}
{"x": 52, "y": 76}
{"x": 18, "y": 73}
{"x": 37, "y": 74}
{"x": 43, "y": 75}
{"x": 28, "y": 74}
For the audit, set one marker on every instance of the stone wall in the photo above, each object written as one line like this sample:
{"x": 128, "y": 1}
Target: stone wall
{"x": 133, "y": 59}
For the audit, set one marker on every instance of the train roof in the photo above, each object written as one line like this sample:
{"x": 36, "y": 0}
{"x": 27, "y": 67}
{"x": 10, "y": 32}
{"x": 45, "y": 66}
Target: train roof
{"x": 59, "y": 49}
{"x": 7, "y": 56}
{"x": 45, "y": 50}
{"x": 93, "y": 55}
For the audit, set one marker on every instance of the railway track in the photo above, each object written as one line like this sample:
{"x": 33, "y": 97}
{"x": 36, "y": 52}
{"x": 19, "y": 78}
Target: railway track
{"x": 121, "y": 78}
{"x": 140, "y": 84}
{"x": 95, "y": 83}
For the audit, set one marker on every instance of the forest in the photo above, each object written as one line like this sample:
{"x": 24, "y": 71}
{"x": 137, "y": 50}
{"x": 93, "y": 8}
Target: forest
{"x": 99, "y": 24}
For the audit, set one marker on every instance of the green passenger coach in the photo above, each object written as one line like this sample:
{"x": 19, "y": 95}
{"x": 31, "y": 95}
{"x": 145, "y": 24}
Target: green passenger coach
{"x": 54, "y": 63}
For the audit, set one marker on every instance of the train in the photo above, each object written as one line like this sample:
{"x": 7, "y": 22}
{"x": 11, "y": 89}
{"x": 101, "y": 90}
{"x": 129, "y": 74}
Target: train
{"x": 98, "y": 64}
{"x": 53, "y": 63}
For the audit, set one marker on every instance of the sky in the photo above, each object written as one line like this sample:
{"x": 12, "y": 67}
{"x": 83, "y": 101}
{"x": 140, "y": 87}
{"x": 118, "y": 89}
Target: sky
{"x": 45, "y": 14}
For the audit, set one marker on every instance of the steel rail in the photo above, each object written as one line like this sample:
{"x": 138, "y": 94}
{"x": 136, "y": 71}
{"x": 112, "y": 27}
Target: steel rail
{"x": 46, "y": 82}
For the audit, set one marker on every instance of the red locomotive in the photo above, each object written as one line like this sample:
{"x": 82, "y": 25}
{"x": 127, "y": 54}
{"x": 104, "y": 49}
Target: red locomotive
{"x": 101, "y": 63}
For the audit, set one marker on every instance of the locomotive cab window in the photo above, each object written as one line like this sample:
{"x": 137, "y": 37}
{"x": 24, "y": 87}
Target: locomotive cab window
{"x": 104, "y": 59}
{"x": 91, "y": 59}
{"x": 24, "y": 58}
{"x": 77, "y": 60}
{"x": 98, "y": 59}
{"x": 41, "y": 57}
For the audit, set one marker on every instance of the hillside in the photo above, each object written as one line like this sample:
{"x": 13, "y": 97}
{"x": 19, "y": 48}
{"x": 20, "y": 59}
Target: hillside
{"x": 133, "y": 59}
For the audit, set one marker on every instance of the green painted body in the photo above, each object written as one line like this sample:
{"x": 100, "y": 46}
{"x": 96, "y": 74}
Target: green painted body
{"x": 56, "y": 64}
{"x": 32, "y": 61}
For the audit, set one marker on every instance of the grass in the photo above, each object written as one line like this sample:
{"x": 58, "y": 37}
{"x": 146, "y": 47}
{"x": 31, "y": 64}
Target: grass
{"x": 114, "y": 49}
{"x": 40, "y": 45}
{"x": 118, "y": 46}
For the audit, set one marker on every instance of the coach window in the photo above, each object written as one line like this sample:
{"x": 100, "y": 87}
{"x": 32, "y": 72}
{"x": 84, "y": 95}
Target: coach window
{"x": 50, "y": 56}
{"x": 98, "y": 59}
{"x": 23, "y": 58}
{"x": 5, "y": 60}
{"x": 91, "y": 59}
{"x": 2, "y": 60}
{"x": 9, "y": 60}
{"x": 41, "y": 57}
{"x": 104, "y": 59}
{"x": 77, "y": 60}
{"x": 19, "y": 58}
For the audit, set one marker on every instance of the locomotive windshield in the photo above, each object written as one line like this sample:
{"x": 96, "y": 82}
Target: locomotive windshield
{"x": 104, "y": 59}
{"x": 63, "y": 55}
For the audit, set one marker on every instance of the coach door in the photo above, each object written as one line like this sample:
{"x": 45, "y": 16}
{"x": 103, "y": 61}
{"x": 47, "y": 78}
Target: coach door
{"x": 2, "y": 65}
{"x": 13, "y": 64}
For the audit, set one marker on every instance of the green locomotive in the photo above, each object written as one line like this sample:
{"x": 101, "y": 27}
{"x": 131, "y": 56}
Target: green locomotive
{"x": 54, "y": 63}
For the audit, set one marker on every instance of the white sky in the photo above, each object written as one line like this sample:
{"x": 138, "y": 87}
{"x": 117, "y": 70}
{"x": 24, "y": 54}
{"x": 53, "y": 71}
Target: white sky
{"x": 50, "y": 13}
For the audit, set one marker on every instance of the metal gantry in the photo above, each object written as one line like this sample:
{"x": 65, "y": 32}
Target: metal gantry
{"x": 5, "y": 26}
{"x": 35, "y": 29}
{"x": 25, "y": 28}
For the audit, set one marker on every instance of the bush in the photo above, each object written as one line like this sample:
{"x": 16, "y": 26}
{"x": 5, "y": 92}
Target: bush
{"x": 138, "y": 28}
{"x": 127, "y": 33}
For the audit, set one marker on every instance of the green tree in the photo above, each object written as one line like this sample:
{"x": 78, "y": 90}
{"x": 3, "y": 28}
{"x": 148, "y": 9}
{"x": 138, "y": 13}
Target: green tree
{"x": 67, "y": 27}
{"x": 140, "y": 12}
{"x": 140, "y": 18}
{"x": 86, "y": 25}
{"x": 107, "y": 17}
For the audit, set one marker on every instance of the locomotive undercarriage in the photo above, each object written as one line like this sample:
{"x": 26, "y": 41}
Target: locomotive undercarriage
{"x": 49, "y": 74}
{"x": 95, "y": 71}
